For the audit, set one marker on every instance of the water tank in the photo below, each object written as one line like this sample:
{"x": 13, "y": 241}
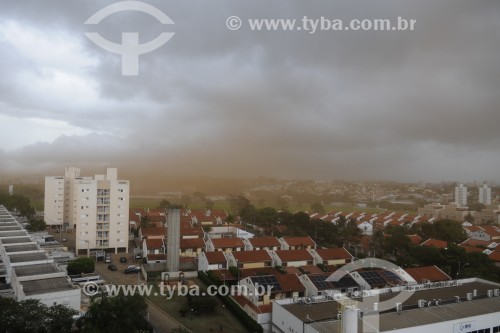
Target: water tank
{"x": 350, "y": 320}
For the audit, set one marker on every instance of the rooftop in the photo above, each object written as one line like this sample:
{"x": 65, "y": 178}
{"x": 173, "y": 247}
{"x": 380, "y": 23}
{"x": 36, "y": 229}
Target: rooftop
{"x": 334, "y": 254}
{"x": 299, "y": 241}
{"x": 427, "y": 273}
{"x": 252, "y": 256}
{"x": 294, "y": 255}
{"x": 21, "y": 248}
{"x": 216, "y": 257}
{"x": 44, "y": 286}
{"x": 16, "y": 240}
{"x": 264, "y": 242}
{"x": 24, "y": 257}
{"x": 227, "y": 242}
{"x": 35, "y": 269}
{"x": 324, "y": 312}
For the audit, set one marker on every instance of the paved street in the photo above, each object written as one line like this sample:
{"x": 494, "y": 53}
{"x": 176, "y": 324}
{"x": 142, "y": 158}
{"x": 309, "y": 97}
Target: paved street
{"x": 160, "y": 320}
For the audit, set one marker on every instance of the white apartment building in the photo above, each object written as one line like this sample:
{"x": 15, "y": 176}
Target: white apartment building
{"x": 485, "y": 195}
{"x": 96, "y": 207}
{"x": 461, "y": 195}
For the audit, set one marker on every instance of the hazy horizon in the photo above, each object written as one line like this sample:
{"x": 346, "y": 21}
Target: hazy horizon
{"x": 403, "y": 106}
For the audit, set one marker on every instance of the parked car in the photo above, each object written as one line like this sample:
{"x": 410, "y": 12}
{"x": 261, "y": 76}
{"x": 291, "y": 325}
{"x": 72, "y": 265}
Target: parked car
{"x": 112, "y": 267}
{"x": 132, "y": 269}
{"x": 108, "y": 258}
{"x": 123, "y": 259}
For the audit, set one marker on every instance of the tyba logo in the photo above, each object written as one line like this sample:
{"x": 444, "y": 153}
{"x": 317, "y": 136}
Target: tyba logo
{"x": 129, "y": 49}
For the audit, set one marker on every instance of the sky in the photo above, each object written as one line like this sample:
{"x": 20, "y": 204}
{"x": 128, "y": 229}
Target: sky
{"x": 419, "y": 105}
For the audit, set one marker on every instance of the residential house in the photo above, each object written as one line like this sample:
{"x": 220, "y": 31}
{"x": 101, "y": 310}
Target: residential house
{"x": 297, "y": 243}
{"x": 250, "y": 259}
{"x": 438, "y": 244}
{"x": 295, "y": 258}
{"x": 334, "y": 256}
{"x": 262, "y": 243}
{"x": 224, "y": 244}
{"x": 427, "y": 274}
{"x": 212, "y": 260}
{"x": 191, "y": 247}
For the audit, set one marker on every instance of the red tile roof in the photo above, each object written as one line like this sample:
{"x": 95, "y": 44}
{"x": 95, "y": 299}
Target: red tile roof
{"x": 311, "y": 269}
{"x": 334, "y": 254}
{"x": 415, "y": 239}
{"x": 476, "y": 242}
{"x": 264, "y": 242}
{"x": 294, "y": 255}
{"x": 427, "y": 273}
{"x": 292, "y": 270}
{"x": 290, "y": 283}
{"x": 468, "y": 248}
{"x": 152, "y": 231}
{"x": 439, "y": 244}
{"x": 157, "y": 257}
{"x": 495, "y": 256}
{"x": 491, "y": 230}
{"x": 154, "y": 243}
{"x": 252, "y": 256}
{"x": 299, "y": 241}
{"x": 243, "y": 301}
{"x": 227, "y": 242}
{"x": 192, "y": 243}
{"x": 216, "y": 257}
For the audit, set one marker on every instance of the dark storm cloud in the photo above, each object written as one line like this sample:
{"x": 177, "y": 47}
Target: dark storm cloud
{"x": 361, "y": 105}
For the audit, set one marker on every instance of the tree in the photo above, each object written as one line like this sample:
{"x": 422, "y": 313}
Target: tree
{"x": 32, "y": 316}
{"x": 144, "y": 221}
{"x": 60, "y": 318}
{"x": 81, "y": 265}
{"x": 450, "y": 231}
{"x": 237, "y": 203}
{"x": 317, "y": 208}
{"x": 165, "y": 204}
{"x": 116, "y": 314}
{"x": 36, "y": 225}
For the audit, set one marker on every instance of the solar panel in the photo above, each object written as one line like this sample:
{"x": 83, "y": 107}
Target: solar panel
{"x": 388, "y": 275}
{"x": 373, "y": 278}
{"x": 320, "y": 283}
{"x": 267, "y": 280}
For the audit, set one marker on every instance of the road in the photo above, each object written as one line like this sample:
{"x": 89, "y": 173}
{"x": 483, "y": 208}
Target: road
{"x": 161, "y": 321}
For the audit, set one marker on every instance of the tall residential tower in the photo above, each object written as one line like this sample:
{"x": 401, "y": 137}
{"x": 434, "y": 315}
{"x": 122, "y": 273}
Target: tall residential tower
{"x": 485, "y": 195}
{"x": 461, "y": 195}
{"x": 96, "y": 207}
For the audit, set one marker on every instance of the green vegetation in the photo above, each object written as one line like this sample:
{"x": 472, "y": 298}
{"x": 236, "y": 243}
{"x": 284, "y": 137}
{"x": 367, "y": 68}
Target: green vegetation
{"x": 36, "y": 225}
{"x": 230, "y": 304}
{"x": 17, "y": 203}
{"x": 119, "y": 314}
{"x": 32, "y": 316}
{"x": 199, "y": 322}
{"x": 81, "y": 265}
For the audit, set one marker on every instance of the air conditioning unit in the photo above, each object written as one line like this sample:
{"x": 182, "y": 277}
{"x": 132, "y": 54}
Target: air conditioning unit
{"x": 469, "y": 296}
{"x": 399, "y": 307}
{"x": 490, "y": 293}
{"x": 496, "y": 292}
{"x": 421, "y": 303}
{"x": 457, "y": 299}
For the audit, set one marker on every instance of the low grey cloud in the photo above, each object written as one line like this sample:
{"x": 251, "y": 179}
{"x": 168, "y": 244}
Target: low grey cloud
{"x": 399, "y": 105}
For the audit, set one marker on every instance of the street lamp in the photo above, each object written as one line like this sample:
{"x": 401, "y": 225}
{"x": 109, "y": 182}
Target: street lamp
{"x": 460, "y": 268}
